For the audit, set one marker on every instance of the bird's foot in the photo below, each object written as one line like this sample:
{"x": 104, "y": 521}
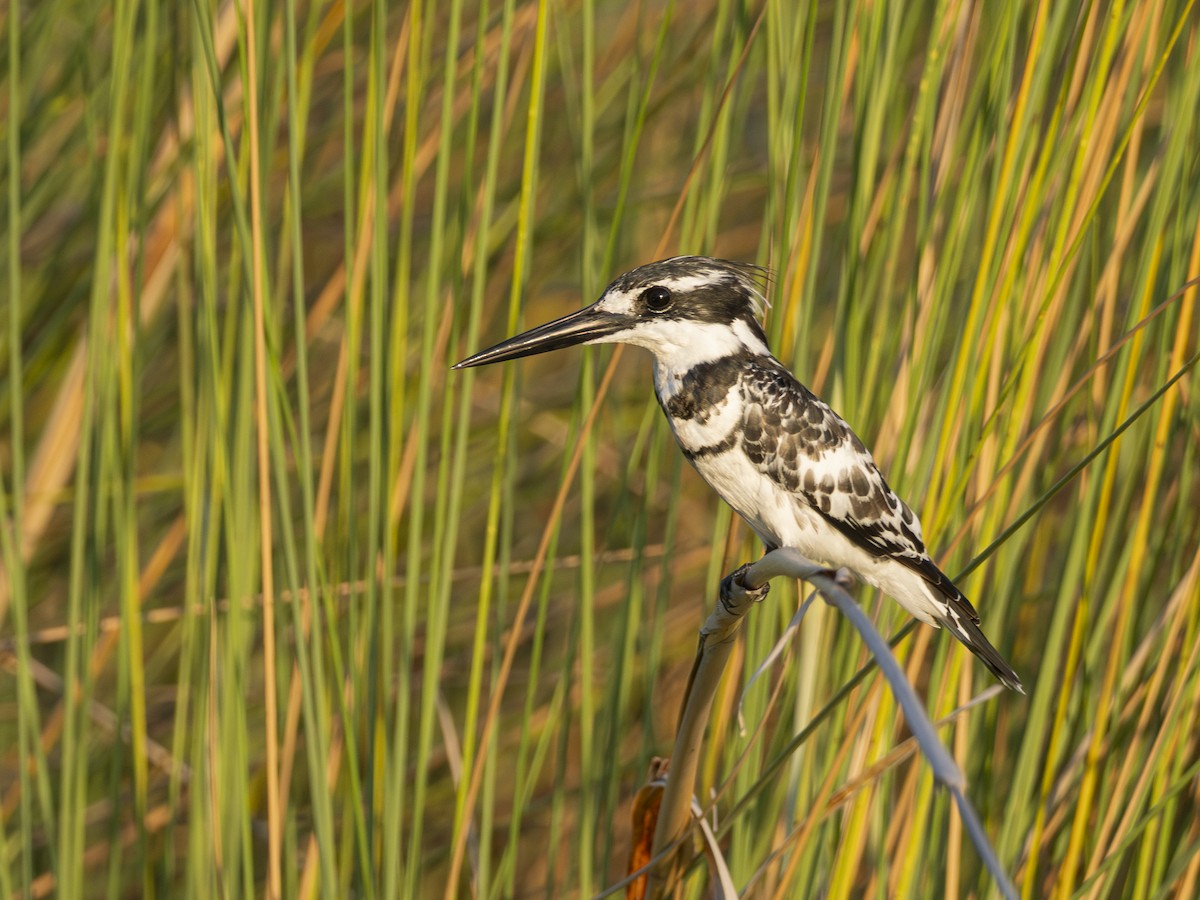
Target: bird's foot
{"x": 844, "y": 578}
{"x": 735, "y": 591}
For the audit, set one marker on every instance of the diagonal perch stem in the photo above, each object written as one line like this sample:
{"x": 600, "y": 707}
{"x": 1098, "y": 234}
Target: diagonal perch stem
{"x": 716, "y": 643}
{"x": 739, "y": 590}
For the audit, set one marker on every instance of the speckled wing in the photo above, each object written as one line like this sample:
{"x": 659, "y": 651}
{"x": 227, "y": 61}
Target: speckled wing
{"x": 805, "y": 447}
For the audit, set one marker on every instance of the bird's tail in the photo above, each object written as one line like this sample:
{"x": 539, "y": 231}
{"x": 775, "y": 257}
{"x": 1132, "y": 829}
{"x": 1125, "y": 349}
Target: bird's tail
{"x": 974, "y": 640}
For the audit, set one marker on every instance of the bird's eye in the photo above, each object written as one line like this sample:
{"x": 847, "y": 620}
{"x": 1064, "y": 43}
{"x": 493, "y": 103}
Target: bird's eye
{"x": 657, "y": 298}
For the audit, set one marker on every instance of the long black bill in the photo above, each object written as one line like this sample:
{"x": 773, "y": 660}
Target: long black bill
{"x": 588, "y": 324}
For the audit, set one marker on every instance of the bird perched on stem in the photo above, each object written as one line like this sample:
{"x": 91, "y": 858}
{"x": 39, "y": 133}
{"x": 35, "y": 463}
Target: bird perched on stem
{"x": 787, "y": 463}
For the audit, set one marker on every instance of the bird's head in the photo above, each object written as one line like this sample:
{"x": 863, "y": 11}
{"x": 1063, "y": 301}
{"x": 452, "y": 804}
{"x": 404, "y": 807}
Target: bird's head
{"x": 686, "y": 310}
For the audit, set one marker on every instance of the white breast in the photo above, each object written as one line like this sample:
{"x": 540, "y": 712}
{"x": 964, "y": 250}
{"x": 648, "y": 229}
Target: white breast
{"x": 782, "y": 519}
{"x": 754, "y": 496}
{"x": 711, "y": 427}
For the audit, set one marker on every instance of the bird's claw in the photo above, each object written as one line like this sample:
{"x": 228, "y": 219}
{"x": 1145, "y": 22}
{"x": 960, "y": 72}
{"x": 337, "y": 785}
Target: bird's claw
{"x": 734, "y": 590}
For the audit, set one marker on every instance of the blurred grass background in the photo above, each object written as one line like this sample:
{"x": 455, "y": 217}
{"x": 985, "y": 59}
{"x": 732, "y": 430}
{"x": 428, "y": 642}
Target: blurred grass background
{"x": 263, "y": 553}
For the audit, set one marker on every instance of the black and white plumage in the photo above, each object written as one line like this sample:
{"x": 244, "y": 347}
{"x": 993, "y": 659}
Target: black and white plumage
{"x": 786, "y": 462}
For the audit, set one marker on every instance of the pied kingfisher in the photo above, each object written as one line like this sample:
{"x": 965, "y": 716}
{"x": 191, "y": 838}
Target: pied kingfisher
{"x": 787, "y": 463}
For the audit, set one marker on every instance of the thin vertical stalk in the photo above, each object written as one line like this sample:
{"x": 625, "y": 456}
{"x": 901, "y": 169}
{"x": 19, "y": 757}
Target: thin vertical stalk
{"x": 259, "y": 293}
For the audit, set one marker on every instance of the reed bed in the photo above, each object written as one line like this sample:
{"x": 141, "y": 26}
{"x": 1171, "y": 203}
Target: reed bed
{"x": 288, "y": 608}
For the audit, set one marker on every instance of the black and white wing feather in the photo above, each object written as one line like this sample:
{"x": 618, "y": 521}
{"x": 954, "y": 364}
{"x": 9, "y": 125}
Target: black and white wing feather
{"x": 806, "y": 448}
